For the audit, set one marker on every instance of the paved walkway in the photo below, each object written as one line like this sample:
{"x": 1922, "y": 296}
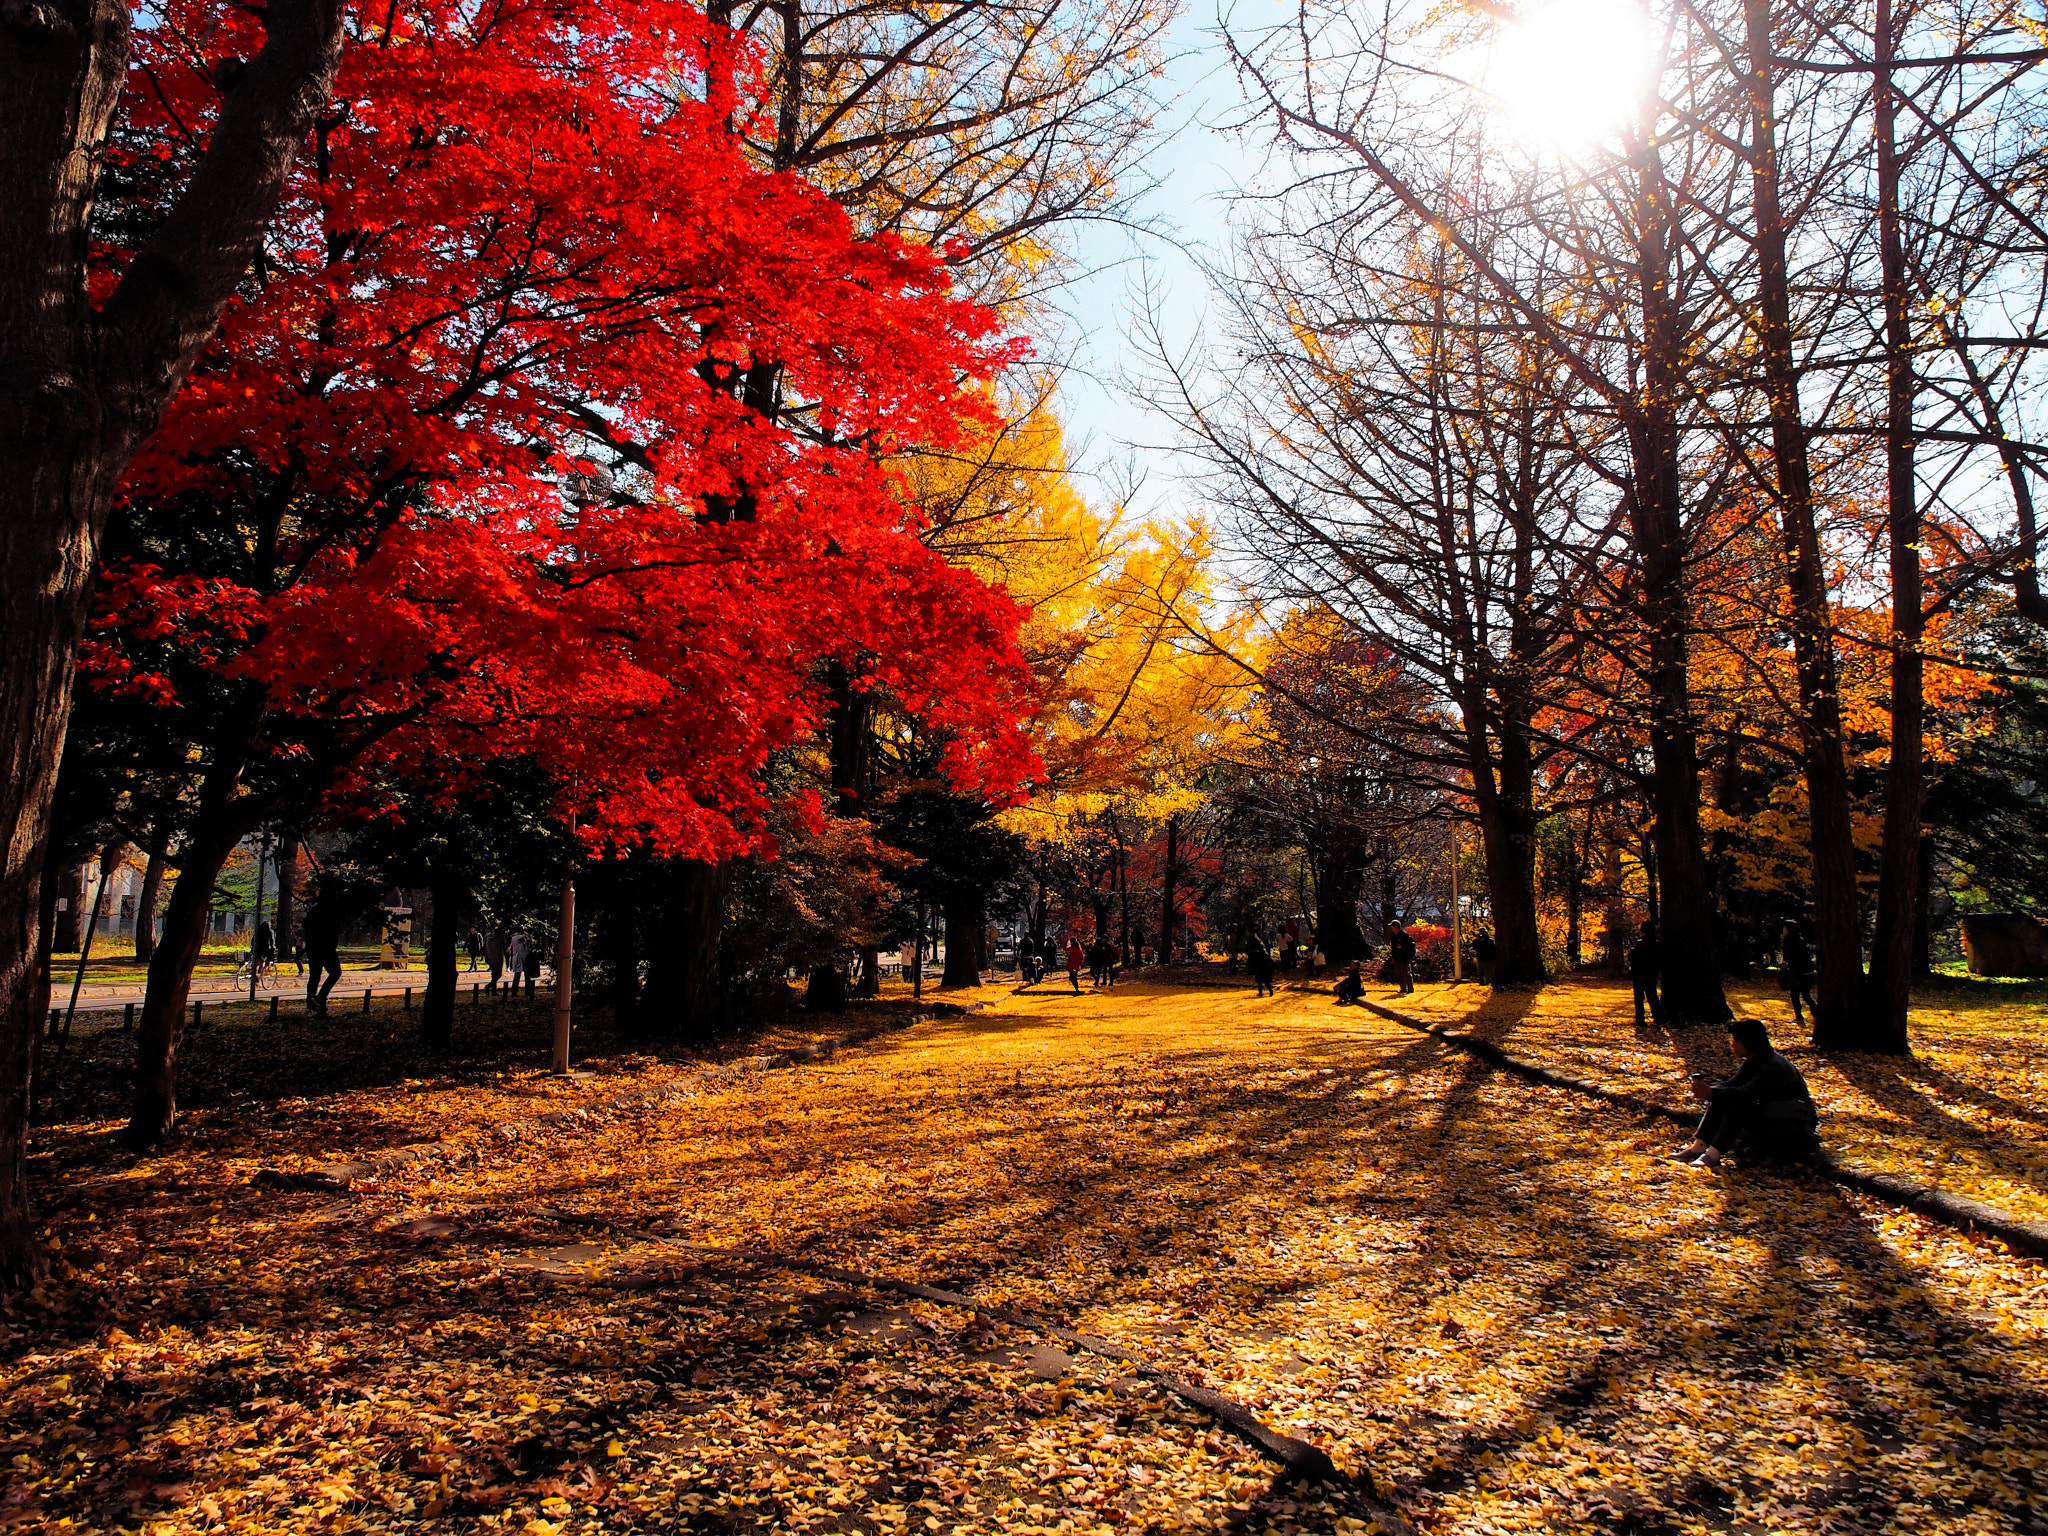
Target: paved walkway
{"x": 102, "y": 996}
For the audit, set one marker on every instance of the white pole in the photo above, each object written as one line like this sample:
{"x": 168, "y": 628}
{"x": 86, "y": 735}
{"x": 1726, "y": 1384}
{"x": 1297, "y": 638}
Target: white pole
{"x": 1457, "y": 914}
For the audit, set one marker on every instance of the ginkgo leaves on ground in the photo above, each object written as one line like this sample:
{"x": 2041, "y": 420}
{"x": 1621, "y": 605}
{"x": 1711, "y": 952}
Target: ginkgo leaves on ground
{"x": 1495, "y": 1301}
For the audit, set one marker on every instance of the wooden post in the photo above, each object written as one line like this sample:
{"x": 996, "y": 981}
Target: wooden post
{"x": 366, "y": 999}
{"x": 565, "y": 965}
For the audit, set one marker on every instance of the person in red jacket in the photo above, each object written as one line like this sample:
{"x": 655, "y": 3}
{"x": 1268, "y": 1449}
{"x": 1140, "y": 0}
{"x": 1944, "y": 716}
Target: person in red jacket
{"x": 1076, "y": 958}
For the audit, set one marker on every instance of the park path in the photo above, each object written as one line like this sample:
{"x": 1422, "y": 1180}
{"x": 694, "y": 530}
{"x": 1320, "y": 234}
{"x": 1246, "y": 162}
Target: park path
{"x": 1491, "y": 1302}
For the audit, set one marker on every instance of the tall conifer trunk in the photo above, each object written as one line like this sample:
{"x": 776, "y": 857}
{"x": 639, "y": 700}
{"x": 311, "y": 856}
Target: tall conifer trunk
{"x": 1691, "y": 974}
{"x": 1837, "y": 948}
{"x": 1883, "y": 1019}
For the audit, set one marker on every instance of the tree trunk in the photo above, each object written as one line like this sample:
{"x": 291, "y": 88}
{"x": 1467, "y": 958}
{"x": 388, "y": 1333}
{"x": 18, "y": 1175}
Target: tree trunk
{"x": 869, "y": 983}
{"x": 618, "y": 926}
{"x": 1169, "y": 897}
{"x": 1123, "y": 892}
{"x": 964, "y": 924}
{"x": 1340, "y": 882}
{"x": 81, "y": 384}
{"x": 161, "y": 1029}
{"x": 682, "y": 978}
{"x": 1837, "y": 947}
{"x": 1881, "y": 1024}
{"x": 1691, "y": 970}
{"x": 70, "y": 925}
{"x": 1504, "y": 793}
{"x": 449, "y": 894}
{"x": 145, "y": 908}
{"x": 287, "y": 862}
{"x": 1614, "y": 919}
{"x": 1574, "y": 910}
{"x": 826, "y": 991}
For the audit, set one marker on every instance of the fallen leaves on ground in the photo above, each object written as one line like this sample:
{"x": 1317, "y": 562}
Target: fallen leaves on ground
{"x": 1968, "y": 1111}
{"x": 1495, "y": 1301}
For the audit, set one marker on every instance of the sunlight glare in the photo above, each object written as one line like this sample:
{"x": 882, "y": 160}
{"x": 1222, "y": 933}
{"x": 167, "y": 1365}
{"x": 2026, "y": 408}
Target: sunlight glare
{"x": 1567, "y": 72}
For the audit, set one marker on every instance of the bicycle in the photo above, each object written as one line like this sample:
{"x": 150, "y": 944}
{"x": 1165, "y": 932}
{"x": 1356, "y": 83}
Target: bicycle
{"x": 265, "y": 973}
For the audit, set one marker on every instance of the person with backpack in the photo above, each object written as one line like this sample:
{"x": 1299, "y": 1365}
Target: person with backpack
{"x": 1400, "y": 964}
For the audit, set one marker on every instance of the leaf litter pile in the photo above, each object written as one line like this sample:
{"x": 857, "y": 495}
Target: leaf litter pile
{"x": 1494, "y": 1305}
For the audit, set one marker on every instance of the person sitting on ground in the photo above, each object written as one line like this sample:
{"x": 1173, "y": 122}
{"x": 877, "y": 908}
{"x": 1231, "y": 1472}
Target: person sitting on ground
{"x": 1762, "y": 1109}
{"x": 1260, "y": 963}
{"x": 1351, "y": 987}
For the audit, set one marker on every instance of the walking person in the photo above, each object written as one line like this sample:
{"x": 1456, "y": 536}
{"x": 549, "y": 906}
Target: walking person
{"x": 1260, "y": 961}
{"x": 474, "y": 943}
{"x": 533, "y": 954}
{"x": 321, "y": 932}
{"x": 494, "y": 955}
{"x": 1484, "y": 953}
{"x": 515, "y": 957}
{"x": 1798, "y": 958}
{"x": 1643, "y": 965}
{"x": 1076, "y": 958}
{"x": 1400, "y": 964}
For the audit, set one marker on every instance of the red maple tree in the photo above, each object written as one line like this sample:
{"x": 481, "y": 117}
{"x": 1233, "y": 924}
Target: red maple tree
{"x": 545, "y": 424}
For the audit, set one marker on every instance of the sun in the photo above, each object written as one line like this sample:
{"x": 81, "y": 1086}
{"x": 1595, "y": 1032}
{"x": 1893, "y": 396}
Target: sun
{"x": 1568, "y": 72}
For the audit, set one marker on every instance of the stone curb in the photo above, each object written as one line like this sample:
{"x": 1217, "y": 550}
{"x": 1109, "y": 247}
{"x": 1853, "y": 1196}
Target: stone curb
{"x": 1959, "y": 1211}
{"x": 342, "y": 1176}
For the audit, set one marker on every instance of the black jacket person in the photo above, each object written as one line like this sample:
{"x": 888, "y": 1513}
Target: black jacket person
{"x": 1762, "y": 1109}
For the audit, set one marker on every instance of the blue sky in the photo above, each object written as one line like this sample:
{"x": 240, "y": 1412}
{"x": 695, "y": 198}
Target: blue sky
{"x": 1197, "y": 167}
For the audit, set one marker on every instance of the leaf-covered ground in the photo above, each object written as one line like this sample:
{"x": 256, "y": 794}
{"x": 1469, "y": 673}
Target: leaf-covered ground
{"x": 1968, "y": 1111}
{"x": 1495, "y": 1301}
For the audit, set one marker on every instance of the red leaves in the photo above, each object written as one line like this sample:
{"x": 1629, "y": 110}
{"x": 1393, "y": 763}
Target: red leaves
{"x": 526, "y": 242}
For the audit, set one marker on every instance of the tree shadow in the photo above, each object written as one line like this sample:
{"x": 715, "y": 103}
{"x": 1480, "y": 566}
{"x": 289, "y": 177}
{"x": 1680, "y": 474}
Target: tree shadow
{"x": 1453, "y": 1202}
